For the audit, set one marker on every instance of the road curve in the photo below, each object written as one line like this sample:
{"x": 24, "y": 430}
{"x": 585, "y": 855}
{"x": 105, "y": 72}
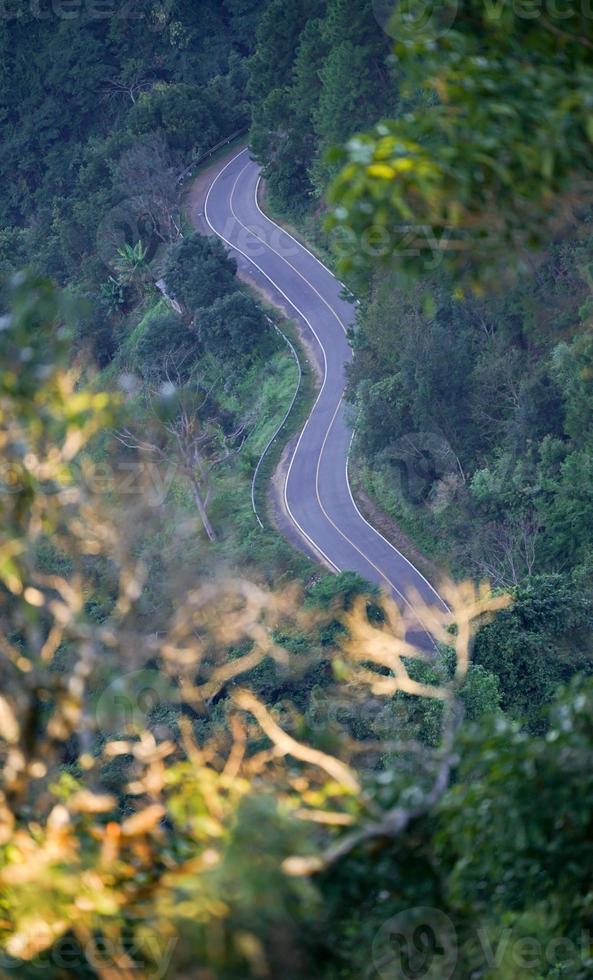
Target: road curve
{"x": 317, "y": 493}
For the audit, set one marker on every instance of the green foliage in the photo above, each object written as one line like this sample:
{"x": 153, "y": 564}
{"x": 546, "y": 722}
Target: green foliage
{"x": 499, "y": 828}
{"x": 13, "y": 250}
{"x": 161, "y": 346}
{"x": 473, "y": 415}
{"x": 542, "y": 641}
{"x": 317, "y": 73}
{"x": 134, "y": 274}
{"x": 421, "y": 718}
{"x": 94, "y": 329}
{"x": 131, "y": 259}
{"x": 276, "y": 40}
{"x": 505, "y": 856}
{"x": 332, "y": 591}
{"x": 192, "y": 117}
{"x": 80, "y": 89}
{"x": 234, "y": 330}
{"x": 113, "y": 295}
{"x": 199, "y": 271}
{"x": 474, "y": 421}
{"x": 495, "y": 150}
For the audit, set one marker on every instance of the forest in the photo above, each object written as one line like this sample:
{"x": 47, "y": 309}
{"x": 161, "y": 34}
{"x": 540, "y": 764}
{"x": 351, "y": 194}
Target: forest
{"x": 218, "y": 760}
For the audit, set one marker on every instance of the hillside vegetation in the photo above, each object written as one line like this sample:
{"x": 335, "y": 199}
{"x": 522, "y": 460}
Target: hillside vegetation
{"x": 463, "y": 222}
{"x": 217, "y": 760}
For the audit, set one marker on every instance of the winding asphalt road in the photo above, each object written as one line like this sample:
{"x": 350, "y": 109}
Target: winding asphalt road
{"x": 317, "y": 493}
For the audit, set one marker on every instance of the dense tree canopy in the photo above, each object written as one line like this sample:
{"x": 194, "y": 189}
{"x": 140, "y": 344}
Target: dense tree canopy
{"x": 235, "y": 331}
{"x": 319, "y": 71}
{"x": 199, "y": 271}
{"x": 215, "y": 757}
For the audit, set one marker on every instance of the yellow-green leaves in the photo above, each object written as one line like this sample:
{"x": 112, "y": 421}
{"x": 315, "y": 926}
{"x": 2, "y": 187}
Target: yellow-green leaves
{"x": 492, "y": 151}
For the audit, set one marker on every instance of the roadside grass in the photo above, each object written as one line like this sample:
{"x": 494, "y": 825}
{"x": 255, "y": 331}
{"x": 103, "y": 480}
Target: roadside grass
{"x": 271, "y": 390}
{"x": 259, "y": 399}
{"x": 235, "y": 144}
{"x": 149, "y": 312}
{"x": 422, "y": 527}
{"x": 301, "y": 408}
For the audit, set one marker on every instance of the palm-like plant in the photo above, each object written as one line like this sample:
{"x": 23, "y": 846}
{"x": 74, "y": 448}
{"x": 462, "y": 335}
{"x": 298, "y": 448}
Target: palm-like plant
{"x": 113, "y": 295}
{"x": 131, "y": 263}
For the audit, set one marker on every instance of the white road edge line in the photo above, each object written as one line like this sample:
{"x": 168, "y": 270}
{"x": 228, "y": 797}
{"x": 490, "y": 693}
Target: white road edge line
{"x": 250, "y": 231}
{"x": 316, "y": 547}
{"x": 404, "y": 599}
{"x": 288, "y": 411}
{"x": 341, "y": 322}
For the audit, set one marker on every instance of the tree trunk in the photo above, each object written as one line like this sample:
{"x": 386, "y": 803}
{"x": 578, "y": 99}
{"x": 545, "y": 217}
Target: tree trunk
{"x": 201, "y": 508}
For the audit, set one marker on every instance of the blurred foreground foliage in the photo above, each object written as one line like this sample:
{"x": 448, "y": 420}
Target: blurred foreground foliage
{"x": 491, "y": 148}
{"x": 158, "y": 818}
